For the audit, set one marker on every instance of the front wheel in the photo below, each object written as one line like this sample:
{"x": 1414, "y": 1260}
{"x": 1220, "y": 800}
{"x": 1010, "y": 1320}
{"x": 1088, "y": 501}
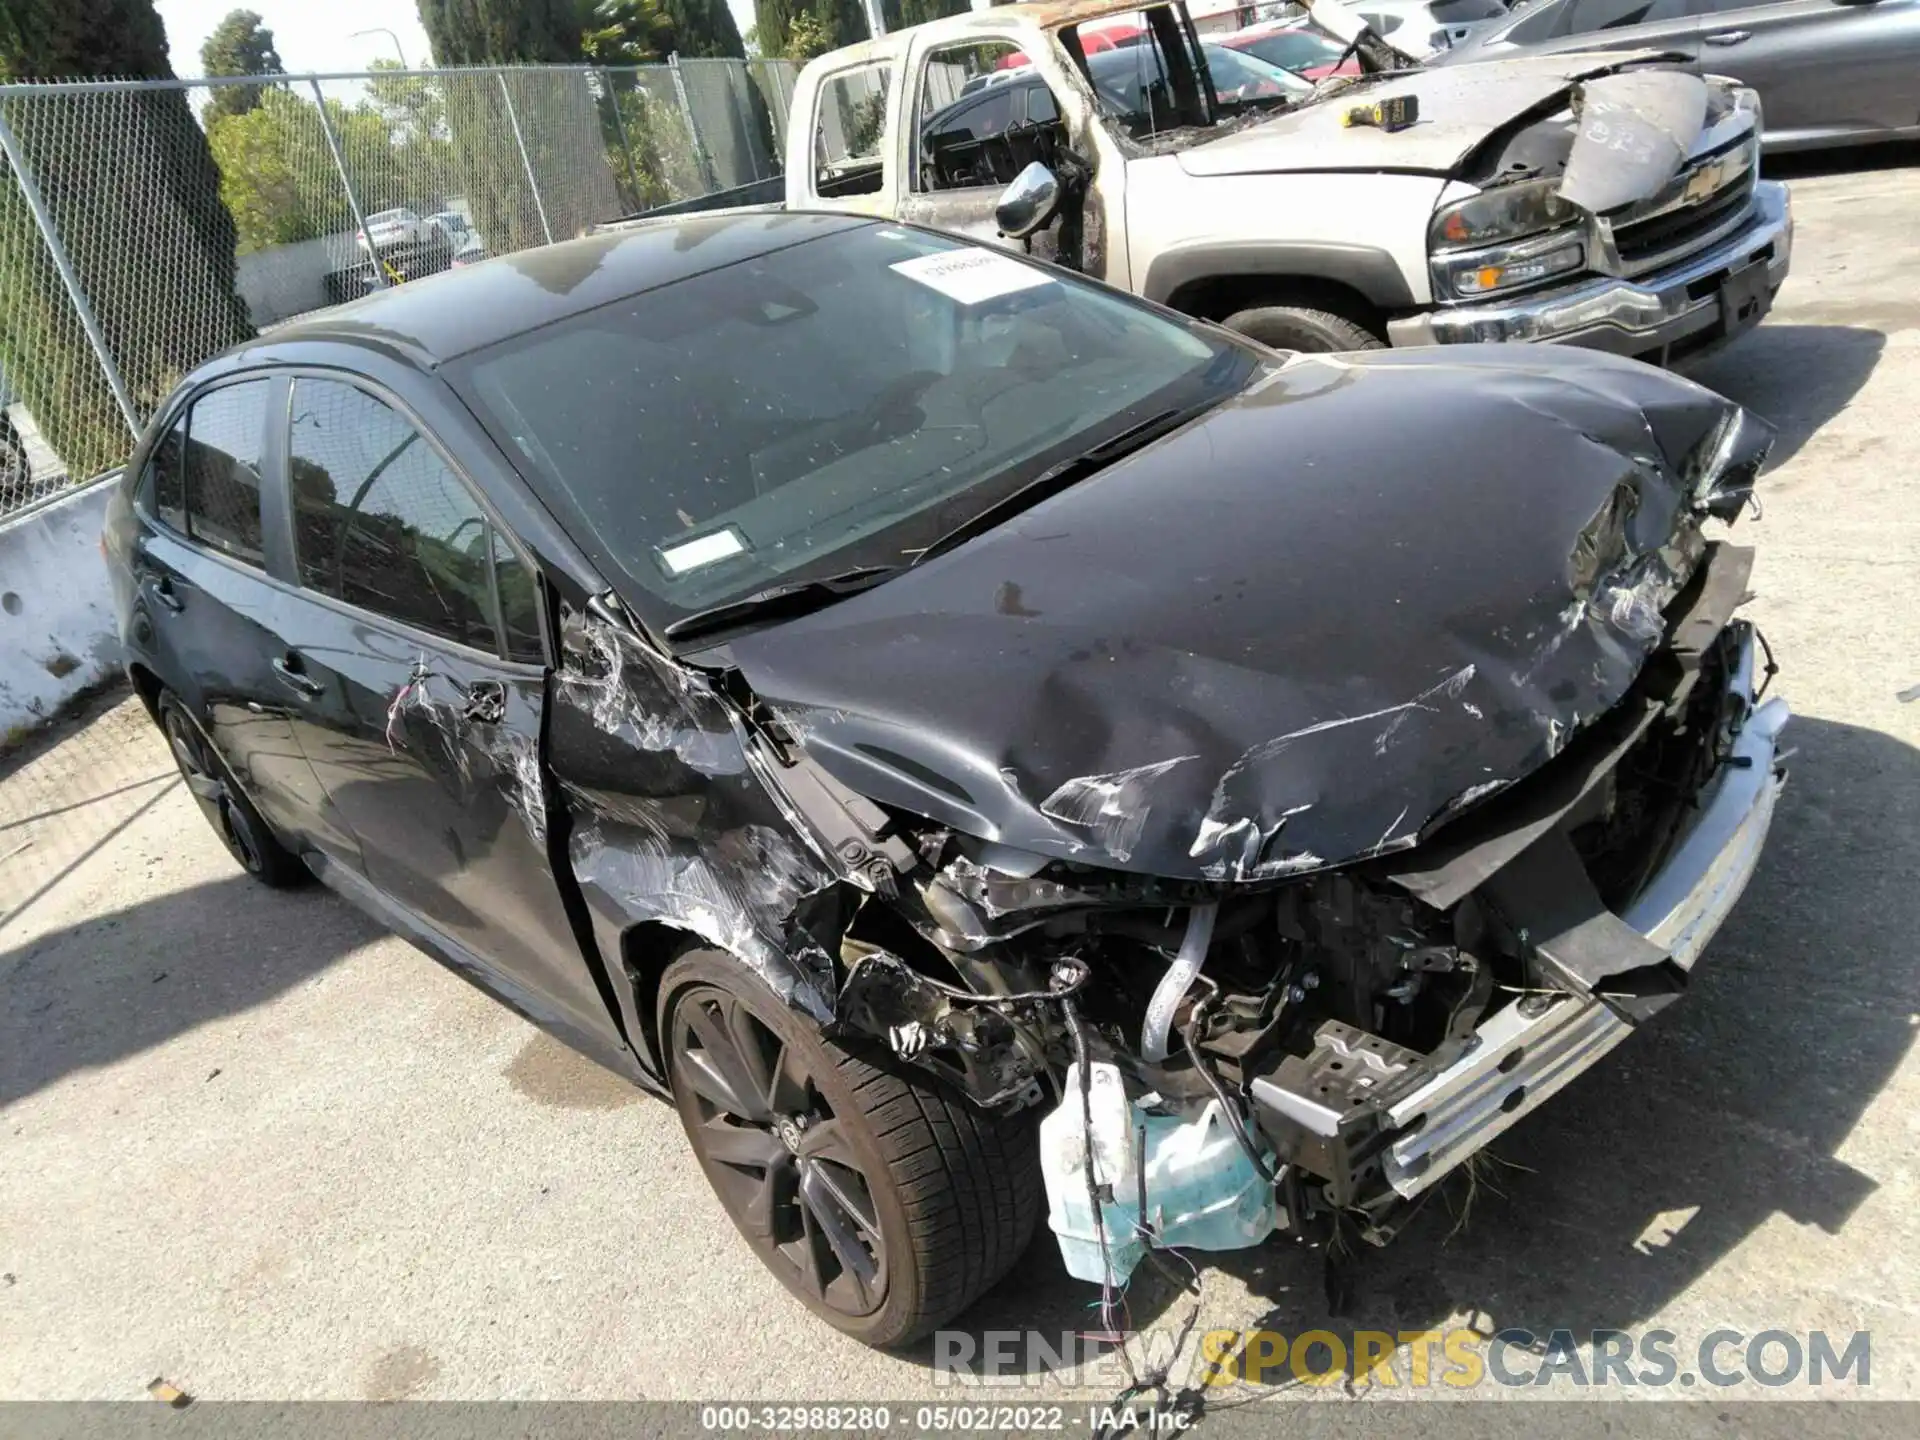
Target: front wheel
{"x": 1291, "y": 327}
{"x": 885, "y": 1204}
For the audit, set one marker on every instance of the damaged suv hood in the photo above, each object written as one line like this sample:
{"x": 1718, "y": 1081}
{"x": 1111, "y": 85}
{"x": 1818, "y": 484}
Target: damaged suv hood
{"x": 1286, "y": 636}
{"x": 1460, "y": 106}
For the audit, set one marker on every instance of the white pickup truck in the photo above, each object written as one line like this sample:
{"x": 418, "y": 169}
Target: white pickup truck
{"x": 1608, "y": 200}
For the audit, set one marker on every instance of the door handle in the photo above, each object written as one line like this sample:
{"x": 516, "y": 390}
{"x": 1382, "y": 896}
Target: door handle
{"x": 162, "y": 590}
{"x": 1727, "y": 37}
{"x": 486, "y": 703}
{"x": 294, "y": 680}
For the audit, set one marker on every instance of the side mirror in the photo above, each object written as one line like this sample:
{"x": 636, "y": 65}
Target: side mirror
{"x": 1028, "y": 203}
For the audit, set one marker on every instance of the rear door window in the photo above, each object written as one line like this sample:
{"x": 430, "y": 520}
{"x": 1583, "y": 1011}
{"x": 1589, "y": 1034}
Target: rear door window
{"x": 383, "y": 523}
{"x": 1466, "y": 12}
{"x": 221, "y": 469}
{"x": 850, "y": 132}
{"x": 1589, "y": 16}
{"x": 167, "y": 478}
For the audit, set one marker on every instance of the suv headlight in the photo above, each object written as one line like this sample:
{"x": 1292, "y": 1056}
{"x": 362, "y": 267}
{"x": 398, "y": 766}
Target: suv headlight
{"x": 1505, "y": 238}
{"x": 1506, "y": 212}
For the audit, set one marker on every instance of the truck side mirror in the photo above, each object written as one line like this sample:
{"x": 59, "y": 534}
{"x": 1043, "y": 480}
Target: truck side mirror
{"x": 1028, "y": 203}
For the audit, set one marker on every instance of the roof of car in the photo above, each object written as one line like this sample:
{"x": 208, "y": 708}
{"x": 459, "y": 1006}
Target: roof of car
{"x": 457, "y": 311}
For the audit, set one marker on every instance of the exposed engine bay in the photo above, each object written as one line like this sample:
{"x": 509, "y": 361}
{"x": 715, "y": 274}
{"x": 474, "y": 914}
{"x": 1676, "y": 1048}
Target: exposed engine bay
{"x": 1266, "y": 977}
{"x": 1311, "y": 1010}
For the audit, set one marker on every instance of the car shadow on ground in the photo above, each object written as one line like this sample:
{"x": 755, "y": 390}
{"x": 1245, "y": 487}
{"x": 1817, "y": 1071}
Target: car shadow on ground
{"x": 1615, "y": 1198}
{"x": 1843, "y": 160}
{"x": 130, "y": 979}
{"x": 1796, "y": 377}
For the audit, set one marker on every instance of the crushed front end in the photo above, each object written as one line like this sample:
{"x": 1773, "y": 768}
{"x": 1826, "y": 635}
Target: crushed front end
{"x": 1634, "y": 221}
{"x": 1370, "y": 1027}
{"x": 1269, "y": 1022}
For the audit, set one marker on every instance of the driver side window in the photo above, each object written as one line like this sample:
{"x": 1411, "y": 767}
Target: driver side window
{"x": 1589, "y": 16}
{"x": 382, "y": 523}
{"x": 982, "y": 116}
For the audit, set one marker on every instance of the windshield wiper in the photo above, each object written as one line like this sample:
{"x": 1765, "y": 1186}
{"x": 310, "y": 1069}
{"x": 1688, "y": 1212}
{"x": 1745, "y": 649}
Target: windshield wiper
{"x": 795, "y": 597}
{"x": 1056, "y": 478}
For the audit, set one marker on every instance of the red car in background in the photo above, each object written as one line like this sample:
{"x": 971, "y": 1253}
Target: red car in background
{"x": 1309, "y": 53}
{"x": 1106, "y": 35}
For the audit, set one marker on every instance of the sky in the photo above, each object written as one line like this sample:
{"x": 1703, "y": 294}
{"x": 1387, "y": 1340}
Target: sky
{"x": 315, "y": 36}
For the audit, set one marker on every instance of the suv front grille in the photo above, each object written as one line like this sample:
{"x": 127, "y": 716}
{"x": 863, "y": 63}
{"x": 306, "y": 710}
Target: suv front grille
{"x": 1707, "y": 199}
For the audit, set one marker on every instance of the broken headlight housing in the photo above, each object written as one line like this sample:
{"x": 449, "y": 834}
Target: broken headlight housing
{"x": 1505, "y": 238}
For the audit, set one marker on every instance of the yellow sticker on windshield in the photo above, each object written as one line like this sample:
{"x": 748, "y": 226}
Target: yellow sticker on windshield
{"x": 972, "y": 276}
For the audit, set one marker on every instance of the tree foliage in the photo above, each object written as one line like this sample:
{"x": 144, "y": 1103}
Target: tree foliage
{"x": 504, "y": 32}
{"x": 792, "y": 29}
{"x": 643, "y": 32}
{"x": 135, "y": 198}
{"x": 900, "y": 14}
{"x": 51, "y": 39}
{"x": 277, "y": 175}
{"x": 241, "y": 44}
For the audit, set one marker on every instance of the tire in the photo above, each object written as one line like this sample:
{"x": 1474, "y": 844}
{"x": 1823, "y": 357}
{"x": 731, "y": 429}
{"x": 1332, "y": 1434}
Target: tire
{"x": 248, "y": 838}
{"x": 1317, "y": 332}
{"x": 940, "y": 1198}
{"x": 16, "y": 471}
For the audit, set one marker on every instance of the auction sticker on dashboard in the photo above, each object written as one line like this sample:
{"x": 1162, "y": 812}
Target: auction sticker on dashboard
{"x": 707, "y": 550}
{"x": 972, "y": 276}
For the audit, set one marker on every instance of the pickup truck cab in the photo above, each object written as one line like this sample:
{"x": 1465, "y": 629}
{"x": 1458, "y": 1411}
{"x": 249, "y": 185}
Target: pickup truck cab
{"x": 1607, "y": 201}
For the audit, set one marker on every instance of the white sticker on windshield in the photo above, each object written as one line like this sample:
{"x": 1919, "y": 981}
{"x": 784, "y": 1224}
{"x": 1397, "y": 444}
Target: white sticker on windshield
{"x": 707, "y": 550}
{"x": 972, "y": 276}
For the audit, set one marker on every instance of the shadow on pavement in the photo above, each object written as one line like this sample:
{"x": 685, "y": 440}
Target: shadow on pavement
{"x": 1637, "y": 1180}
{"x": 1797, "y": 377}
{"x": 134, "y": 978}
{"x": 1843, "y": 160}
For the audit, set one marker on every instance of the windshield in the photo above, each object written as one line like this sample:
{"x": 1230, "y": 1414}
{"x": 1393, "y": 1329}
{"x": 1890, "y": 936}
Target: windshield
{"x": 1134, "y": 85}
{"x": 837, "y": 403}
{"x": 1292, "y": 48}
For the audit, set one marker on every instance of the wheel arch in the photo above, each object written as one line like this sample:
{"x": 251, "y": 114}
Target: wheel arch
{"x": 1361, "y": 283}
{"x": 147, "y": 686}
{"x": 647, "y": 949}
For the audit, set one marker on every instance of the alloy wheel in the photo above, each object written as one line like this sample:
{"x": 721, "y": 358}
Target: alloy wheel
{"x": 781, "y": 1162}
{"x": 210, "y": 791}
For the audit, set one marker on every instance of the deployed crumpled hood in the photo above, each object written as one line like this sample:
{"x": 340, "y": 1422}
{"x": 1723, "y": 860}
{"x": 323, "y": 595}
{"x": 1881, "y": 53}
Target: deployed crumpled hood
{"x": 1353, "y": 598}
{"x": 1460, "y": 105}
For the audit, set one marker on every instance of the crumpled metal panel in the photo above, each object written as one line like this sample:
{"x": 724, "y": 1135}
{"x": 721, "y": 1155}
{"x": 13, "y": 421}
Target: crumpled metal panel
{"x": 670, "y": 820}
{"x": 1633, "y": 132}
{"x": 1286, "y": 637}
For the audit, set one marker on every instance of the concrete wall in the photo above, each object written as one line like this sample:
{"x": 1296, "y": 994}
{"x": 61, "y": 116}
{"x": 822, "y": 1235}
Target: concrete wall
{"x": 57, "y": 633}
{"x": 287, "y": 280}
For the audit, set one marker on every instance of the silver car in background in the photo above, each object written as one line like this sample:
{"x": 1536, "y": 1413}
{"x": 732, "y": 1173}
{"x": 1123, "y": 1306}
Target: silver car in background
{"x": 1829, "y": 72}
{"x": 1428, "y": 27}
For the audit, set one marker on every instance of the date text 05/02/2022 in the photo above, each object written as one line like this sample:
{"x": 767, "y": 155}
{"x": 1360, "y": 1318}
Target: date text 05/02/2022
{"x": 946, "y": 1419}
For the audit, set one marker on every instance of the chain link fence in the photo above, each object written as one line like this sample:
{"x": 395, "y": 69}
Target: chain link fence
{"x": 148, "y": 225}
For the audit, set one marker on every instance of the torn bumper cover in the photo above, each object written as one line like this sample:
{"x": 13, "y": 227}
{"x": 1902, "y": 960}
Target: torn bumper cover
{"x": 1701, "y": 300}
{"x": 1527, "y": 1051}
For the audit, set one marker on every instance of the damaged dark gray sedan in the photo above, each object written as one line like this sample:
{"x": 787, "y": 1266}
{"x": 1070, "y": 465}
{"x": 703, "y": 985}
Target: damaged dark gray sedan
{"x": 978, "y": 741}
